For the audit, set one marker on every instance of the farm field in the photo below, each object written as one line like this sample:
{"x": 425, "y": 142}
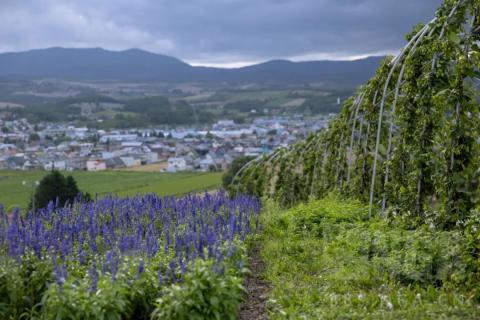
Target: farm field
{"x": 121, "y": 183}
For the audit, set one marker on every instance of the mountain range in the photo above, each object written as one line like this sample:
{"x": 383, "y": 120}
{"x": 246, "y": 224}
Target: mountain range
{"x": 139, "y": 65}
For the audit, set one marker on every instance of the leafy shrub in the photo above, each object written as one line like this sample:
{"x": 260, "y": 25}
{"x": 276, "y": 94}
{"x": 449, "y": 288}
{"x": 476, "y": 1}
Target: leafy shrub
{"x": 203, "y": 294}
{"x": 75, "y": 300}
{"x": 55, "y": 186}
{"x": 422, "y": 256}
{"x": 472, "y": 247}
{"x": 22, "y": 287}
{"x": 323, "y": 216}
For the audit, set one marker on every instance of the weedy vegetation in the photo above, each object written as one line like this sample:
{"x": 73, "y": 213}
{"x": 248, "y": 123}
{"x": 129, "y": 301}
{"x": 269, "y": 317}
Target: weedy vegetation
{"x": 327, "y": 260}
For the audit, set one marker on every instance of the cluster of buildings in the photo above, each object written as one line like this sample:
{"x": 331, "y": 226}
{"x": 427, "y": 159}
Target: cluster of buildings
{"x": 24, "y": 146}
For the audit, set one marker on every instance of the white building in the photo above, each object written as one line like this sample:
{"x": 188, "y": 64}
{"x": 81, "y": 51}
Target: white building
{"x": 150, "y": 157}
{"x": 96, "y": 165}
{"x": 131, "y": 162}
{"x": 132, "y": 144}
{"x": 206, "y": 163}
{"x": 176, "y": 164}
{"x": 7, "y": 149}
{"x": 55, "y": 165}
{"x": 118, "y": 137}
{"x": 76, "y": 133}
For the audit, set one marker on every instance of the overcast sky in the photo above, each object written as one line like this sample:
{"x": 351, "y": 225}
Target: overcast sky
{"x": 216, "y": 32}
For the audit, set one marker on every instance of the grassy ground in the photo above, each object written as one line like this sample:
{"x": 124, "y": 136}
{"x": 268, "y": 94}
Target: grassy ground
{"x": 326, "y": 260}
{"x": 13, "y": 193}
{"x": 154, "y": 167}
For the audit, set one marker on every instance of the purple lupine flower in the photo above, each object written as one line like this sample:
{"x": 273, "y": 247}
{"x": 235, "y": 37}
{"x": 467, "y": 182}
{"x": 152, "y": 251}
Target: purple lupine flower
{"x": 183, "y": 266}
{"x": 160, "y": 277}
{"x": 81, "y": 256}
{"x": 141, "y": 268}
{"x": 138, "y": 226}
{"x": 92, "y": 272}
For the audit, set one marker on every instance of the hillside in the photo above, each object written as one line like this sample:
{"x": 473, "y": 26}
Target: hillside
{"x": 139, "y": 65}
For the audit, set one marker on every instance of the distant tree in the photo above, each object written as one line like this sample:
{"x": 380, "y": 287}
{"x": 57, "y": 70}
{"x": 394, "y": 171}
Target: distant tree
{"x": 93, "y": 138}
{"x": 71, "y": 188}
{"x": 72, "y": 191}
{"x": 236, "y": 165}
{"x": 51, "y": 187}
{"x": 34, "y": 137}
{"x": 209, "y": 135}
{"x": 240, "y": 119}
{"x": 272, "y": 132}
{"x": 5, "y": 130}
{"x": 55, "y": 186}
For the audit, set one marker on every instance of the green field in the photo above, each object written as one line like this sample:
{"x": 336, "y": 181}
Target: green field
{"x": 13, "y": 193}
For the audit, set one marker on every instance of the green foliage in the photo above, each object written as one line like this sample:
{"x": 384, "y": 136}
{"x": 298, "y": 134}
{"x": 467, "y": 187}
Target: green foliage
{"x": 236, "y": 165}
{"x": 324, "y": 103}
{"x": 34, "y": 137}
{"x": 54, "y": 185}
{"x": 77, "y": 301}
{"x": 159, "y": 110}
{"x": 245, "y": 106}
{"x": 327, "y": 260}
{"x": 22, "y": 286}
{"x": 415, "y": 122}
{"x": 472, "y": 245}
{"x": 120, "y": 299}
{"x": 50, "y": 112}
{"x": 204, "y": 294}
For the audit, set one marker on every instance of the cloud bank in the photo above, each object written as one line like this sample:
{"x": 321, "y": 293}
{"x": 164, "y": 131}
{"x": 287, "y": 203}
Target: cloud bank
{"x": 216, "y": 32}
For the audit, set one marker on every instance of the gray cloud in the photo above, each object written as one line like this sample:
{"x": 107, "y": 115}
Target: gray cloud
{"x": 215, "y": 31}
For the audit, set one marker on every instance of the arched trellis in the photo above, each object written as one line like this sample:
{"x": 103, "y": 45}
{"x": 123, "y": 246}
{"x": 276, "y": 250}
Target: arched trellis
{"x": 409, "y": 133}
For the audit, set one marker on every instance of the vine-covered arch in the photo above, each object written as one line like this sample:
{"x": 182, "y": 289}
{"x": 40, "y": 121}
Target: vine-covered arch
{"x": 407, "y": 141}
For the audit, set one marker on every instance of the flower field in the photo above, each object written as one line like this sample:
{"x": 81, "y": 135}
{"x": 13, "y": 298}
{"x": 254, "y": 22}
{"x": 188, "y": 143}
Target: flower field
{"x": 127, "y": 258}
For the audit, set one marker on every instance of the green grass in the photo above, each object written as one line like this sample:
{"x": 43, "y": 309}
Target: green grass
{"x": 13, "y": 193}
{"x": 327, "y": 260}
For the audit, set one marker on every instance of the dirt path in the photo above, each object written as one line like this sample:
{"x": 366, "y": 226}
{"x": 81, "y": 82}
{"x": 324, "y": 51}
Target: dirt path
{"x": 253, "y": 308}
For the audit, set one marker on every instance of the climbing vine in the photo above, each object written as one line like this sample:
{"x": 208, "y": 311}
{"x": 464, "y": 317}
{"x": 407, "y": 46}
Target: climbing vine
{"x": 407, "y": 142}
